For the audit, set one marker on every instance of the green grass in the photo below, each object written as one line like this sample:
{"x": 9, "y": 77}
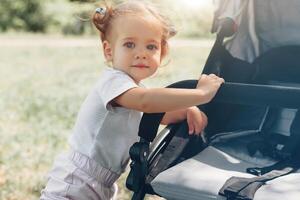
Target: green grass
{"x": 42, "y": 85}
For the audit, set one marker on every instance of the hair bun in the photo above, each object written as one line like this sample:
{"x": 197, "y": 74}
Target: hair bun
{"x": 100, "y": 18}
{"x": 101, "y": 11}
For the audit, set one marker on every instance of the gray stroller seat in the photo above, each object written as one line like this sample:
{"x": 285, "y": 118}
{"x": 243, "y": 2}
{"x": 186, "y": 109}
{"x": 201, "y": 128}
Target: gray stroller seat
{"x": 202, "y": 176}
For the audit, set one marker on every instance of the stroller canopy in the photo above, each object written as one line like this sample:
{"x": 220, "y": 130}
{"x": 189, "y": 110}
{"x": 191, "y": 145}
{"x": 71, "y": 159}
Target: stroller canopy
{"x": 261, "y": 25}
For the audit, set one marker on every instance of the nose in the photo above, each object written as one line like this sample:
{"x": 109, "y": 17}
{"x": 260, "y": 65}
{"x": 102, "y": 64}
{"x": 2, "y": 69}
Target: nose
{"x": 140, "y": 55}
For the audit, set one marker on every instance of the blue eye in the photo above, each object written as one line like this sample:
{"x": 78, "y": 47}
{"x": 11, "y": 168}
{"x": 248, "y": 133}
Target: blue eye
{"x": 152, "y": 47}
{"x": 129, "y": 45}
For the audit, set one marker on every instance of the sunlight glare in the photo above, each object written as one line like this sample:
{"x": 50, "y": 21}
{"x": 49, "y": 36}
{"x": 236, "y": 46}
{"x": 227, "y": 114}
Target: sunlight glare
{"x": 196, "y": 3}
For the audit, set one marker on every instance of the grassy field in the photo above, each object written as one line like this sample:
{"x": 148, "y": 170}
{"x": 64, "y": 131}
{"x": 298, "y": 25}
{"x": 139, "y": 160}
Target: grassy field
{"x": 43, "y": 81}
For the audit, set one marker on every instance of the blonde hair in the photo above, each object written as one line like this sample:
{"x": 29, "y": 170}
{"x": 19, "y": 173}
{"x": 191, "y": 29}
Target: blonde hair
{"x": 103, "y": 21}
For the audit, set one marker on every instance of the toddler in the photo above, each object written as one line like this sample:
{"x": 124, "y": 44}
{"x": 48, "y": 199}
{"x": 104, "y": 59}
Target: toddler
{"x": 134, "y": 37}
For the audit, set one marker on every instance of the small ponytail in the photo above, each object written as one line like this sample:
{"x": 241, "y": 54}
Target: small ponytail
{"x": 101, "y": 19}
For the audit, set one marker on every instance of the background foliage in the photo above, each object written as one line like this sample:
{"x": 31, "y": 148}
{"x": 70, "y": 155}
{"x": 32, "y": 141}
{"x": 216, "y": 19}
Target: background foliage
{"x": 73, "y": 16}
{"x": 25, "y": 15}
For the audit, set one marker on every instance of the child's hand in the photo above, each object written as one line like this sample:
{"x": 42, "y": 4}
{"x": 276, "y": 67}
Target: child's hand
{"x": 209, "y": 84}
{"x": 196, "y": 120}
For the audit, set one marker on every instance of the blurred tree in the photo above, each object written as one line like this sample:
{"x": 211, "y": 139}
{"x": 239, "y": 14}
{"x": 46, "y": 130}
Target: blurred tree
{"x": 73, "y": 16}
{"x": 83, "y": 1}
{"x": 22, "y": 15}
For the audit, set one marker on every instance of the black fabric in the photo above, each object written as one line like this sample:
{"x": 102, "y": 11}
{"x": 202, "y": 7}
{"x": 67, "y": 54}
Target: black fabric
{"x": 270, "y": 141}
{"x": 259, "y": 95}
{"x": 279, "y": 64}
{"x": 223, "y": 64}
{"x": 293, "y": 142}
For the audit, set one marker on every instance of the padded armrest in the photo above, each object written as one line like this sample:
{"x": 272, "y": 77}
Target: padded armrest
{"x": 259, "y": 95}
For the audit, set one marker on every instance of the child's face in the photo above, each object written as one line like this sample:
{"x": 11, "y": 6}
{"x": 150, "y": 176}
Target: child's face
{"x": 135, "y": 46}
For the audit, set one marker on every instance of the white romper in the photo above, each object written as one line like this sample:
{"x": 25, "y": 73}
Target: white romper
{"x": 99, "y": 144}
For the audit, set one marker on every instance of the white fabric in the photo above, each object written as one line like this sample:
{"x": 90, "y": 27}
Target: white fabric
{"x": 201, "y": 178}
{"x": 75, "y": 176}
{"x": 262, "y": 25}
{"x": 277, "y": 23}
{"x": 244, "y": 44}
{"x": 103, "y": 132}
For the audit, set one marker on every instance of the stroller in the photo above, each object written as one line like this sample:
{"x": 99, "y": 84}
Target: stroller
{"x": 250, "y": 148}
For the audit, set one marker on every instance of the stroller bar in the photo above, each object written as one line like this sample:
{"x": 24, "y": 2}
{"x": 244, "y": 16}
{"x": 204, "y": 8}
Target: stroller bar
{"x": 259, "y": 95}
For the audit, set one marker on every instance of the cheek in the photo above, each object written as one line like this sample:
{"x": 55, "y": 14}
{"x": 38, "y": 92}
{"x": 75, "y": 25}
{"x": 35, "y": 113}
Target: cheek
{"x": 120, "y": 55}
{"x": 157, "y": 58}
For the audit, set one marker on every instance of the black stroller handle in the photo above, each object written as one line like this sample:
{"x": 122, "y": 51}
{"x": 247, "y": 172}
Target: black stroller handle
{"x": 259, "y": 95}
{"x": 234, "y": 93}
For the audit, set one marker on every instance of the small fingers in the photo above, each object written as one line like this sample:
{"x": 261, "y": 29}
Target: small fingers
{"x": 200, "y": 124}
{"x": 215, "y": 77}
{"x": 198, "y": 128}
{"x": 203, "y": 77}
{"x": 222, "y": 80}
{"x": 191, "y": 126}
{"x": 205, "y": 119}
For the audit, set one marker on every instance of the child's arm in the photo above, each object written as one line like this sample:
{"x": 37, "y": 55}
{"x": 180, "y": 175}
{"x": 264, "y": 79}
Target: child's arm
{"x": 170, "y": 99}
{"x": 196, "y": 119}
{"x": 174, "y": 116}
{"x": 160, "y": 99}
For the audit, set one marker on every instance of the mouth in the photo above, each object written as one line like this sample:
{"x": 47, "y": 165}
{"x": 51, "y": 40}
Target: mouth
{"x": 141, "y": 66}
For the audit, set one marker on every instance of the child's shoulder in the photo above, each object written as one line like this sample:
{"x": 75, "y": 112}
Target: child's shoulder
{"x": 109, "y": 71}
{"x": 111, "y": 74}
{"x": 113, "y": 77}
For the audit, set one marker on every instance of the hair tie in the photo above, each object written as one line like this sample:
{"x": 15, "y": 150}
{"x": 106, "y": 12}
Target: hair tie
{"x": 101, "y": 11}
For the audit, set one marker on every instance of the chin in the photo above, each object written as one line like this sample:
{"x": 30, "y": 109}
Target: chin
{"x": 141, "y": 78}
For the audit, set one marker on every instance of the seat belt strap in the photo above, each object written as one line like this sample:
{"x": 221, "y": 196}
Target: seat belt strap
{"x": 233, "y": 187}
{"x": 245, "y": 188}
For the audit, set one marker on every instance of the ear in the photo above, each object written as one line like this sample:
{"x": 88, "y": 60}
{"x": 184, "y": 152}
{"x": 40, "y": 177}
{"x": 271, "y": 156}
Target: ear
{"x": 107, "y": 50}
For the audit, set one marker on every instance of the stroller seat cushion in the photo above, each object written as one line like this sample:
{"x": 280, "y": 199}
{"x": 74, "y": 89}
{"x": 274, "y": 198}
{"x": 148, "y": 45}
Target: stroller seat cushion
{"x": 201, "y": 178}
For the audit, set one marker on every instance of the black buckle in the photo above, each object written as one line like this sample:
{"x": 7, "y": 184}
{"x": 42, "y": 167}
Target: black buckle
{"x": 255, "y": 171}
{"x": 138, "y": 152}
